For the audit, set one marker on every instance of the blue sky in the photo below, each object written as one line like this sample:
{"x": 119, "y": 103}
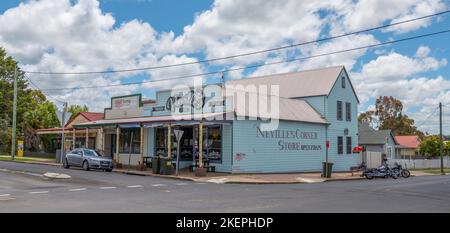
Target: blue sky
{"x": 70, "y": 35}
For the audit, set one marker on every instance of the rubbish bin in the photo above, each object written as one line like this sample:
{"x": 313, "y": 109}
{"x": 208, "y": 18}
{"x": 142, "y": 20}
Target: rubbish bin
{"x": 155, "y": 165}
{"x": 166, "y": 166}
{"x": 327, "y": 169}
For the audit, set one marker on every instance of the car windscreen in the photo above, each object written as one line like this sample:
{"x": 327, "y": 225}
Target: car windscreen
{"x": 91, "y": 153}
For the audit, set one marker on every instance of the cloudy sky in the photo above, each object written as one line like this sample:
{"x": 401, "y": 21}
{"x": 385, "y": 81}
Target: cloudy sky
{"x": 98, "y": 35}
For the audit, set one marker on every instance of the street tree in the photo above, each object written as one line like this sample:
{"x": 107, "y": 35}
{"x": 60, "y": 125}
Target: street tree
{"x": 388, "y": 114}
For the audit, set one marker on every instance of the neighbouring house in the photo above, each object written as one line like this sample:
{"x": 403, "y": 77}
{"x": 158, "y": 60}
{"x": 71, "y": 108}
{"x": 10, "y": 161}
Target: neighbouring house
{"x": 377, "y": 140}
{"x": 317, "y": 122}
{"x": 89, "y": 138}
{"x": 408, "y": 146}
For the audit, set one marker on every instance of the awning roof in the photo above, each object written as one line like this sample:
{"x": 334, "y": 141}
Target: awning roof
{"x": 170, "y": 118}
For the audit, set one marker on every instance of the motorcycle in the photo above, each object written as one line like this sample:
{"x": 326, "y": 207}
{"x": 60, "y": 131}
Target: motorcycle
{"x": 400, "y": 171}
{"x": 383, "y": 171}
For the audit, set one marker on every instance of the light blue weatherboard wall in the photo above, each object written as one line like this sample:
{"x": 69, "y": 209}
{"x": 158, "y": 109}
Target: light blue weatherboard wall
{"x": 327, "y": 105}
{"x": 263, "y": 155}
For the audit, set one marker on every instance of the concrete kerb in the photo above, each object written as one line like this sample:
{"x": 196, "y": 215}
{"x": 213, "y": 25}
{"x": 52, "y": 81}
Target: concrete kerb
{"x": 203, "y": 180}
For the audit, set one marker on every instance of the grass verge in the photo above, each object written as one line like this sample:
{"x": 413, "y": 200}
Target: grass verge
{"x": 26, "y": 159}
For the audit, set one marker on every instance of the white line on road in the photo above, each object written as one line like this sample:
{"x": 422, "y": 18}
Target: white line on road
{"x": 5, "y": 195}
{"x": 134, "y": 186}
{"x": 76, "y": 190}
{"x": 180, "y": 183}
{"x": 104, "y": 188}
{"x": 39, "y": 192}
{"x": 158, "y": 185}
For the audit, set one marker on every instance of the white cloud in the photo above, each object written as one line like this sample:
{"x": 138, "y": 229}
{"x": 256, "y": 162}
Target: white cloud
{"x": 399, "y": 76}
{"x": 64, "y": 35}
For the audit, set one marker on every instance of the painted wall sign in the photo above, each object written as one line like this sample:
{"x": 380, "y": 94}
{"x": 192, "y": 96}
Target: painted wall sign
{"x": 125, "y": 102}
{"x": 284, "y": 145}
{"x": 194, "y": 98}
{"x": 159, "y": 109}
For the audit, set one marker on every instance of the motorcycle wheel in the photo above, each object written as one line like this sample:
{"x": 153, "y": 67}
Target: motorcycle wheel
{"x": 369, "y": 177}
{"x": 406, "y": 173}
{"x": 394, "y": 177}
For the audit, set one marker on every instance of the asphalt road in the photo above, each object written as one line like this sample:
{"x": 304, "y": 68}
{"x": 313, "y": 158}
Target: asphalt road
{"x": 23, "y": 190}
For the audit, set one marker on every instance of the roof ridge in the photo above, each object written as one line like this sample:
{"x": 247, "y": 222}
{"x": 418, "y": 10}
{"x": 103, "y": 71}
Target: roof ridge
{"x": 286, "y": 73}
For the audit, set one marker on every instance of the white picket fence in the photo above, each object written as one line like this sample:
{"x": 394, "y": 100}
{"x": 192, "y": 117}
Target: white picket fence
{"x": 420, "y": 163}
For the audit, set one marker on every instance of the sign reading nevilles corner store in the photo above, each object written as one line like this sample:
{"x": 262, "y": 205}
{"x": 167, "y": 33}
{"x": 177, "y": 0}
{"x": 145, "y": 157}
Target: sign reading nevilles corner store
{"x": 287, "y": 145}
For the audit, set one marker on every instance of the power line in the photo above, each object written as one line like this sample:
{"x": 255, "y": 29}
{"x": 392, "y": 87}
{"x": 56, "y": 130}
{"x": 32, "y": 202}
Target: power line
{"x": 242, "y": 54}
{"x": 258, "y": 65}
{"x": 48, "y": 96}
{"x": 428, "y": 117}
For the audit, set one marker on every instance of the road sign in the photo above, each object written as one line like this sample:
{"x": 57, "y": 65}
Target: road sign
{"x": 178, "y": 136}
{"x": 67, "y": 116}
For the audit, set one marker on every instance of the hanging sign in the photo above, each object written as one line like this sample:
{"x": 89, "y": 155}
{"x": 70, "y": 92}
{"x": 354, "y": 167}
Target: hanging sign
{"x": 194, "y": 98}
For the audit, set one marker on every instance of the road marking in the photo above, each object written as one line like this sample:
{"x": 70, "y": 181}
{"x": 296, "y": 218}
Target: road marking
{"x": 180, "y": 183}
{"x": 39, "y": 192}
{"x": 104, "y": 188}
{"x": 76, "y": 190}
{"x": 7, "y": 198}
{"x": 200, "y": 183}
{"x": 135, "y": 186}
{"x": 5, "y": 195}
{"x": 158, "y": 185}
{"x": 167, "y": 191}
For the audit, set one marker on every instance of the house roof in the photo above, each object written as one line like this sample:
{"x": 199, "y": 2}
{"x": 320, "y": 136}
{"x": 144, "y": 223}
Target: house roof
{"x": 93, "y": 116}
{"x": 289, "y": 109}
{"x": 317, "y": 82}
{"x": 410, "y": 141}
{"x": 369, "y": 136}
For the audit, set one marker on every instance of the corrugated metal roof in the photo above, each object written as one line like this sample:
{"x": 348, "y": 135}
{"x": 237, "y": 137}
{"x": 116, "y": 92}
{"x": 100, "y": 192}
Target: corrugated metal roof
{"x": 369, "y": 136}
{"x": 410, "y": 141}
{"x": 315, "y": 82}
{"x": 168, "y": 118}
{"x": 289, "y": 109}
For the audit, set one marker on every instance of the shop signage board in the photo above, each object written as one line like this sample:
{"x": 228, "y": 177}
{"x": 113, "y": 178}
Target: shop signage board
{"x": 125, "y": 102}
{"x": 194, "y": 98}
{"x": 20, "y": 148}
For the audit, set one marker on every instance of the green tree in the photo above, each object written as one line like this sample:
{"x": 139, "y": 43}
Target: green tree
{"x": 29, "y": 103}
{"x": 430, "y": 146}
{"x": 75, "y": 109}
{"x": 389, "y": 115}
{"x": 43, "y": 116}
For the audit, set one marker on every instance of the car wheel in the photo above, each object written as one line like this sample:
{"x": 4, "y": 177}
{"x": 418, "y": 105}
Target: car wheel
{"x": 108, "y": 170}
{"x": 66, "y": 164}
{"x": 86, "y": 165}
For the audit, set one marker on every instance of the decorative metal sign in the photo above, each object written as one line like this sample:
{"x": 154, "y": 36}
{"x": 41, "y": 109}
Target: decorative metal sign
{"x": 194, "y": 98}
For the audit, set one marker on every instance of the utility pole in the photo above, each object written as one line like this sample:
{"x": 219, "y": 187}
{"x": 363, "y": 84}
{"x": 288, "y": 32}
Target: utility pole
{"x": 440, "y": 139}
{"x": 14, "y": 123}
{"x": 63, "y": 121}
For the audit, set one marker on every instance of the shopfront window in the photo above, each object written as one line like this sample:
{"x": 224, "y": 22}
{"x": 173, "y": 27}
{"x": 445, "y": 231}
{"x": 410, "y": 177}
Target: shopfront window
{"x": 130, "y": 141}
{"x": 214, "y": 143}
{"x": 161, "y": 142}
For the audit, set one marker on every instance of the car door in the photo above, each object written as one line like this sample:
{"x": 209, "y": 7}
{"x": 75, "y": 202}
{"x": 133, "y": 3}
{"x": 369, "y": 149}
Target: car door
{"x": 70, "y": 157}
{"x": 79, "y": 158}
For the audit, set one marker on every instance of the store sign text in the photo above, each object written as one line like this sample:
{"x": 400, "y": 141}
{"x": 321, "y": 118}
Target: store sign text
{"x": 284, "y": 145}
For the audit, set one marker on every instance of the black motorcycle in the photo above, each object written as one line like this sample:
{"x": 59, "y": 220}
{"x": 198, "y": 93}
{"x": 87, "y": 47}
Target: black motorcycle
{"x": 383, "y": 171}
{"x": 400, "y": 171}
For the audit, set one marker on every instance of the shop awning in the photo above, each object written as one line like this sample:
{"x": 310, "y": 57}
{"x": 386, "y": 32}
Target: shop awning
{"x": 150, "y": 121}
